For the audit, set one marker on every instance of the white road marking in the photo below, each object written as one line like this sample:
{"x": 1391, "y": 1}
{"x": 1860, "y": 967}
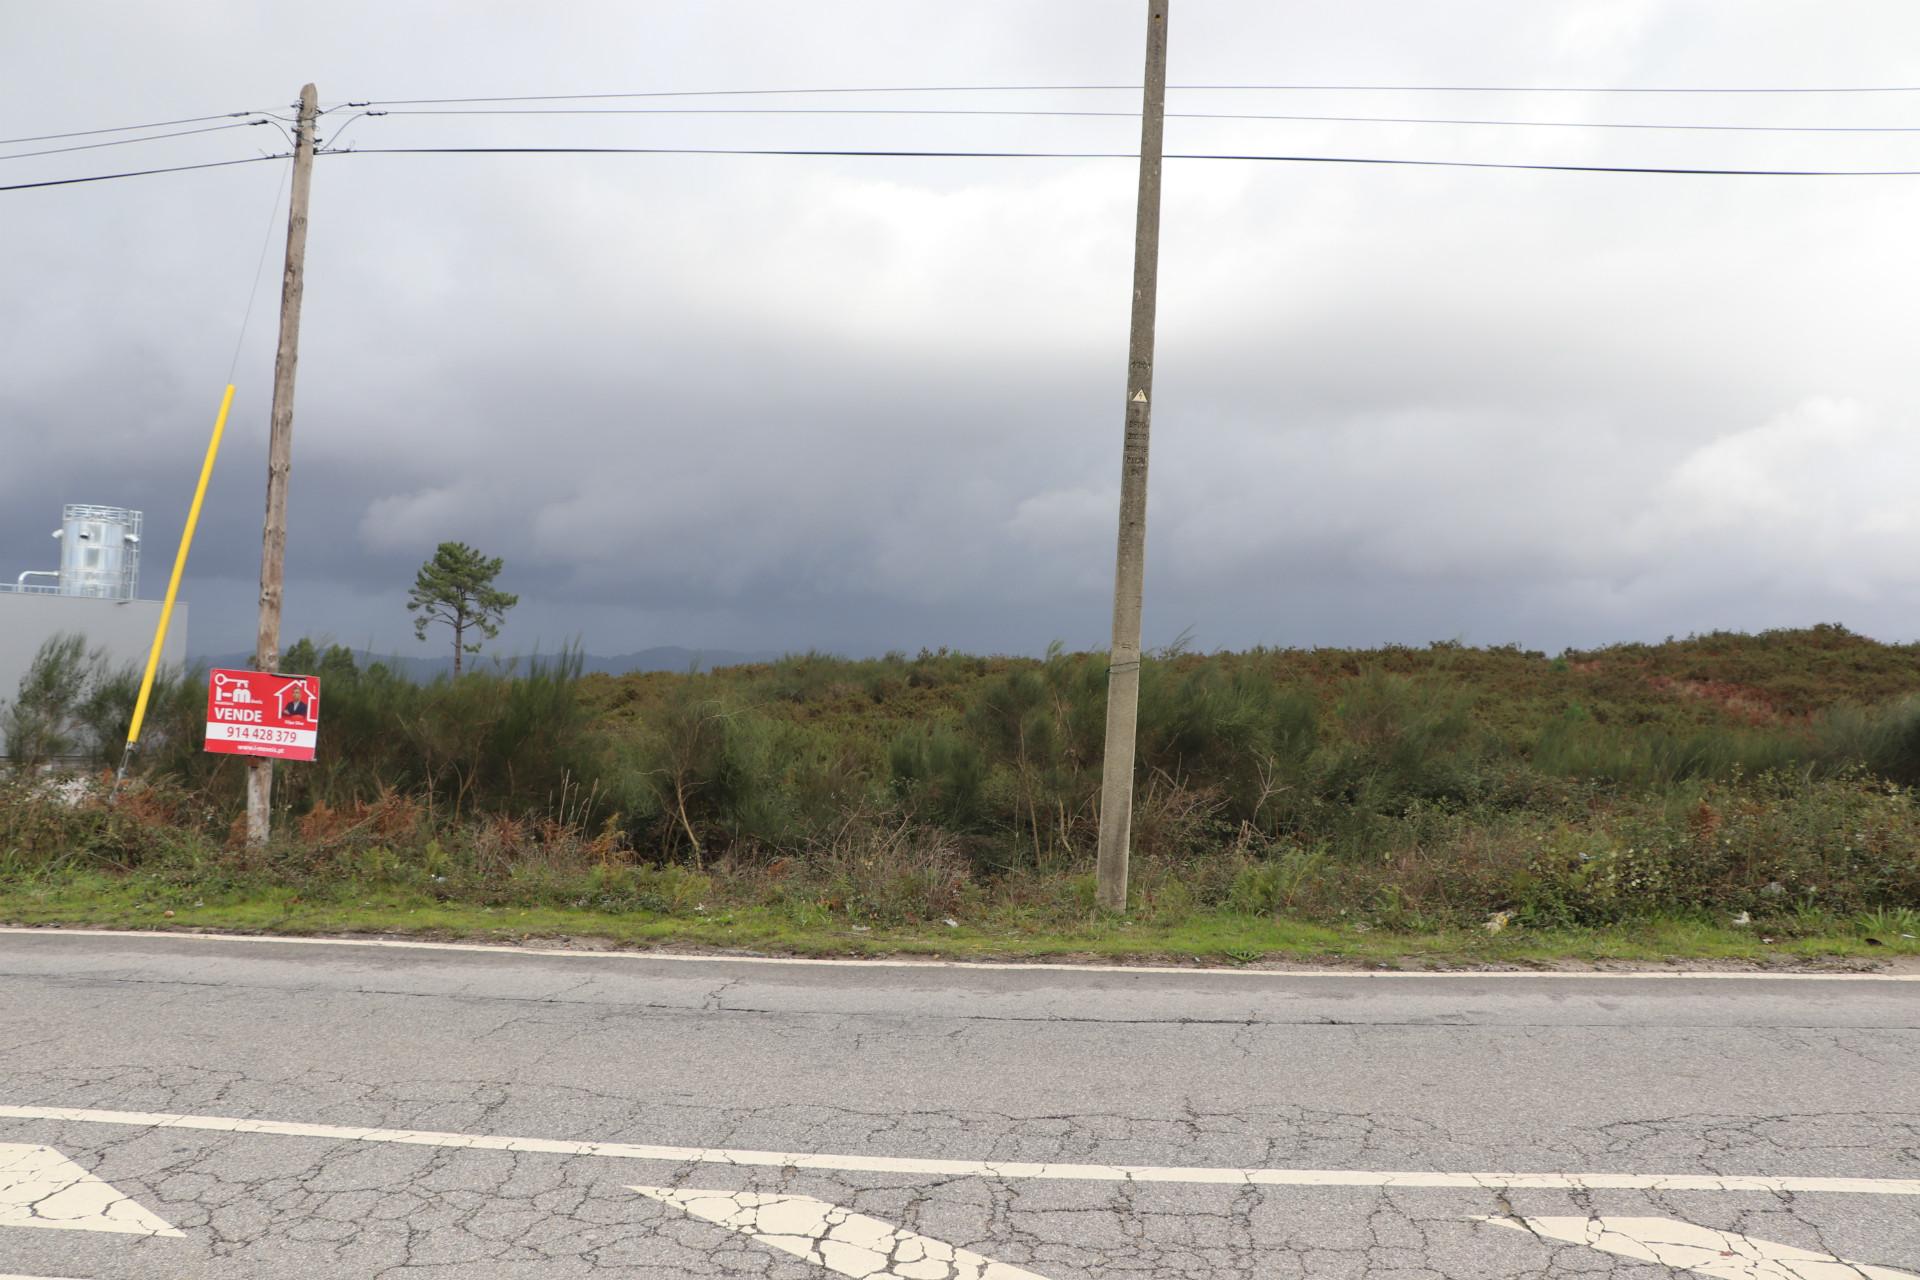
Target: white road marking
{"x": 39, "y": 1187}
{"x": 10, "y": 1277}
{"x": 1725, "y": 1255}
{"x": 836, "y": 1238}
{"x": 1066, "y": 967}
{"x": 1001, "y": 1169}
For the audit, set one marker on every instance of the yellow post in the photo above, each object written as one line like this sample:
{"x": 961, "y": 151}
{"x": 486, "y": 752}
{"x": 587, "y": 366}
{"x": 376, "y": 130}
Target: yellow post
{"x": 173, "y": 584}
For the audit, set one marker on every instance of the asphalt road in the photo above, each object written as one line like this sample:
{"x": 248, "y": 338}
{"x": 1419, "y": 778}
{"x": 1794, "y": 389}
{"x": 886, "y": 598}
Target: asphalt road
{"x": 230, "y": 1109}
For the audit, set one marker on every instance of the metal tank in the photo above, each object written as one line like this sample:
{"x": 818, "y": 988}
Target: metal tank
{"x": 99, "y": 552}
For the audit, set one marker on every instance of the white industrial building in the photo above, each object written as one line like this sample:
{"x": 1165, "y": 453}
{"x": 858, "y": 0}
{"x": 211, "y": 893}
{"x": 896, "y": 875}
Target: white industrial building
{"x": 94, "y": 593}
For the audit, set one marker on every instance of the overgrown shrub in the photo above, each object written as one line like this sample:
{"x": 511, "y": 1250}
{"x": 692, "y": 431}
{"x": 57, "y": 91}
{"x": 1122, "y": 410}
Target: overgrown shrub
{"x": 1884, "y": 739}
{"x": 1408, "y": 786}
{"x": 45, "y": 720}
{"x": 705, "y": 765}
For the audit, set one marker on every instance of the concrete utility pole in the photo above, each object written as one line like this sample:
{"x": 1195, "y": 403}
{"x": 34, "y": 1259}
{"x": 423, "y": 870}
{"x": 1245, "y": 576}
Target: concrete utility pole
{"x": 1123, "y": 668}
{"x": 273, "y": 549}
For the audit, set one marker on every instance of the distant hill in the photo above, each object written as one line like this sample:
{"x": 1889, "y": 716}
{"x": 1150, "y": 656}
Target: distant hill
{"x": 422, "y": 670}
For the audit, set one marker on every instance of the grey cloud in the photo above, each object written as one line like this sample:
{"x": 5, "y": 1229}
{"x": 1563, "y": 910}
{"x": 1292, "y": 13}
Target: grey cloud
{"x": 855, "y": 404}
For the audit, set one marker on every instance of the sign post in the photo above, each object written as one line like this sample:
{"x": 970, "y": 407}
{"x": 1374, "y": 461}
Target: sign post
{"x": 258, "y": 713}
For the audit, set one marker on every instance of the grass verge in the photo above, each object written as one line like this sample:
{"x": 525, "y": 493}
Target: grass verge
{"x": 1206, "y": 937}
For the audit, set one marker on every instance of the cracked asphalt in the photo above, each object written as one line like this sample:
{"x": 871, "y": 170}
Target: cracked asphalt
{"x": 1194, "y": 1075}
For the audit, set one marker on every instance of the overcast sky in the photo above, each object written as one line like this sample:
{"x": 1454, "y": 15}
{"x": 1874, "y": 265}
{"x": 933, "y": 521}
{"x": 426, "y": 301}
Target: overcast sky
{"x": 862, "y": 404}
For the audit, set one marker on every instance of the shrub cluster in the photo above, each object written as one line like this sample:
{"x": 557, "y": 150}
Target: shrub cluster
{"x": 1401, "y": 786}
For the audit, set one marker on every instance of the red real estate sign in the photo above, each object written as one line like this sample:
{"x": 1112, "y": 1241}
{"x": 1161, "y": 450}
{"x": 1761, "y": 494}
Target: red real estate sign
{"x": 257, "y": 713}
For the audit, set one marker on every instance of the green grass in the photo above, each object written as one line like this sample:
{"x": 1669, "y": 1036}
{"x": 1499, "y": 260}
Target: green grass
{"x": 1214, "y": 937}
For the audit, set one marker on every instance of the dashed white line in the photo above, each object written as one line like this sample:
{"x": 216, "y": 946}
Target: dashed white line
{"x": 1060, "y": 967}
{"x": 39, "y": 1187}
{"x": 1724, "y": 1255}
{"x": 997, "y": 1169}
{"x": 838, "y": 1239}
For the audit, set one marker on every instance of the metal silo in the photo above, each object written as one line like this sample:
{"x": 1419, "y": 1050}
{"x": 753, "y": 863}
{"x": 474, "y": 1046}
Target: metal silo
{"x": 99, "y": 552}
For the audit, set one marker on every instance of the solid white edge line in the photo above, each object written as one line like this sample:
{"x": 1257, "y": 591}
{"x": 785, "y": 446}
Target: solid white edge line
{"x": 1001, "y": 1169}
{"x": 1061, "y": 967}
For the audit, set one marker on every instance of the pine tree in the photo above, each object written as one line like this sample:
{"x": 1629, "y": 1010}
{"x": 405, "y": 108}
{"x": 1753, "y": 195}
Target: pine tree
{"x": 456, "y": 587}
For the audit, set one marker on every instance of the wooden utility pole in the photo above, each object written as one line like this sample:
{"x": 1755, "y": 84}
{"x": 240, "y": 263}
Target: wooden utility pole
{"x": 1123, "y": 667}
{"x": 273, "y": 549}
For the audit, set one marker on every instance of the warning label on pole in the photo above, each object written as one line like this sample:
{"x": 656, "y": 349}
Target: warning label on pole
{"x": 257, "y": 713}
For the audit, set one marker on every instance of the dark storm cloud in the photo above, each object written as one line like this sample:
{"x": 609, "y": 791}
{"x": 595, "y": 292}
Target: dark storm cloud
{"x": 863, "y": 405}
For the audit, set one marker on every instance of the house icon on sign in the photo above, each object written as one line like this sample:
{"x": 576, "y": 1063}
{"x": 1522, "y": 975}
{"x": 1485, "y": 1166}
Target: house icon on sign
{"x": 295, "y": 700}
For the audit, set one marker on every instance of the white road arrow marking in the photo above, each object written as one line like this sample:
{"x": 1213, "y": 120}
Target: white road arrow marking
{"x": 1683, "y": 1245}
{"x": 39, "y": 1187}
{"x": 836, "y": 1238}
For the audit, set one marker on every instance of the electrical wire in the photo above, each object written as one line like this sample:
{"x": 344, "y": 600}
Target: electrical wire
{"x": 334, "y": 138}
{"x": 716, "y": 93}
{"x": 259, "y": 269}
{"x": 1002, "y": 88}
{"x": 1546, "y": 88}
{"x": 282, "y": 130}
{"x": 364, "y": 111}
{"x": 129, "y": 128}
{"x": 1096, "y": 88}
{"x": 896, "y": 153}
{"x": 1121, "y": 115}
{"x": 140, "y": 173}
{"x": 121, "y": 142}
{"x": 931, "y": 154}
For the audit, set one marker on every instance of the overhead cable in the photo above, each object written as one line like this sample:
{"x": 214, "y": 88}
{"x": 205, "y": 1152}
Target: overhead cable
{"x": 1130, "y": 115}
{"x": 140, "y": 173}
{"x": 121, "y": 142}
{"x": 901, "y": 153}
{"x": 128, "y": 128}
{"x": 1098, "y": 88}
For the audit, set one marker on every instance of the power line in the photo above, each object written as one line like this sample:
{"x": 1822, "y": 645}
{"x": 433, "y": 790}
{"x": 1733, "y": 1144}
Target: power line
{"x": 895, "y": 153}
{"x": 1678, "y": 170}
{"x": 1097, "y": 88}
{"x": 1546, "y": 88}
{"x": 1126, "y": 115}
{"x": 139, "y": 173}
{"x": 128, "y": 128}
{"x": 908, "y": 154}
{"x": 121, "y": 142}
{"x": 1062, "y": 88}
{"x": 715, "y": 93}
{"x": 346, "y": 124}
{"x": 259, "y": 269}
{"x": 1008, "y": 88}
